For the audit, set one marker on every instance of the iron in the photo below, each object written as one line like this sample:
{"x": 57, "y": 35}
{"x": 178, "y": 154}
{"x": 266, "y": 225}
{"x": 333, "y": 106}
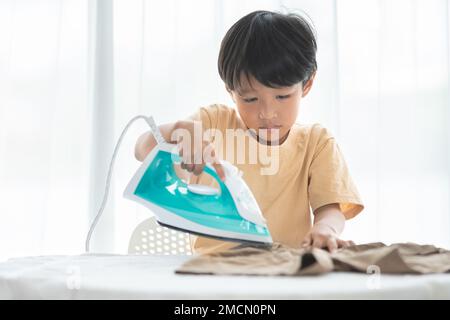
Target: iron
{"x": 229, "y": 213}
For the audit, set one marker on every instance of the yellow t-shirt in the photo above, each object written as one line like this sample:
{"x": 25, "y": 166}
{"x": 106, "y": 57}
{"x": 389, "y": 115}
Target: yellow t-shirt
{"x": 311, "y": 172}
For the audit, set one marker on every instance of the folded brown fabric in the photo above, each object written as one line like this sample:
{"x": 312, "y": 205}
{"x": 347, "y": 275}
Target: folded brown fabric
{"x": 395, "y": 258}
{"x": 283, "y": 260}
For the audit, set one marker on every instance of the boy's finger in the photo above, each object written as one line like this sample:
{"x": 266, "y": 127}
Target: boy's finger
{"x": 186, "y": 156}
{"x": 219, "y": 170}
{"x": 197, "y": 158}
{"x": 345, "y": 244}
{"x": 332, "y": 245}
{"x": 198, "y": 169}
{"x": 210, "y": 156}
{"x": 306, "y": 241}
{"x": 318, "y": 242}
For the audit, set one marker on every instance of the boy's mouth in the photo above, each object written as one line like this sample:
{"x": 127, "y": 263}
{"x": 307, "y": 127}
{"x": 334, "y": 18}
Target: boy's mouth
{"x": 270, "y": 132}
{"x": 266, "y": 135}
{"x": 270, "y": 127}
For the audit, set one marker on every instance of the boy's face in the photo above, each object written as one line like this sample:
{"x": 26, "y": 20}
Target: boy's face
{"x": 271, "y": 112}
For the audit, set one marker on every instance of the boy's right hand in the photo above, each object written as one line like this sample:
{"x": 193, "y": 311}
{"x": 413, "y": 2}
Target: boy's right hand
{"x": 194, "y": 151}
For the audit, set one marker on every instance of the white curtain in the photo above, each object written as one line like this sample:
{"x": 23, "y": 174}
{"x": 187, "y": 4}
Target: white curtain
{"x": 72, "y": 73}
{"x": 44, "y": 127}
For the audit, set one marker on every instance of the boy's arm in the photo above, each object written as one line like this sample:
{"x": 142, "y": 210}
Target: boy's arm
{"x": 146, "y": 142}
{"x": 330, "y": 215}
{"x": 329, "y": 223}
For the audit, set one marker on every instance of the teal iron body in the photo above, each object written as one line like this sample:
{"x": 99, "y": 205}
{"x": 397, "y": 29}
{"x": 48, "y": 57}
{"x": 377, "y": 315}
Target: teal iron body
{"x": 229, "y": 213}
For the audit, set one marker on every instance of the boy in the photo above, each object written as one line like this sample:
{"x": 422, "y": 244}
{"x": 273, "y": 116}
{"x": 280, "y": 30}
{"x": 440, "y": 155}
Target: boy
{"x": 267, "y": 61}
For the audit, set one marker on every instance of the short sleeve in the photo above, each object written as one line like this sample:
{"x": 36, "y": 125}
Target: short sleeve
{"x": 330, "y": 181}
{"x": 208, "y": 116}
{"x": 215, "y": 119}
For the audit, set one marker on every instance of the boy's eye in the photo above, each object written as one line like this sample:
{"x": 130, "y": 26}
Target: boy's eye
{"x": 283, "y": 97}
{"x": 249, "y": 100}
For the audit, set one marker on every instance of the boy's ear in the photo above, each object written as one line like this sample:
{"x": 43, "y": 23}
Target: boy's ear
{"x": 308, "y": 84}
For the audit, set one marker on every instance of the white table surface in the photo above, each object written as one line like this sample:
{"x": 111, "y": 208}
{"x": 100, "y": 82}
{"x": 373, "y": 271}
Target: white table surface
{"x": 152, "y": 277}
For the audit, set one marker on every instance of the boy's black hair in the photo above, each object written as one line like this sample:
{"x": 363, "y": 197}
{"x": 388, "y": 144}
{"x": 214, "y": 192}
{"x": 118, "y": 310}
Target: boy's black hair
{"x": 279, "y": 50}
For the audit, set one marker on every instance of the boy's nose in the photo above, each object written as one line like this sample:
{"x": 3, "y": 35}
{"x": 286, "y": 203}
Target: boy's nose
{"x": 267, "y": 115}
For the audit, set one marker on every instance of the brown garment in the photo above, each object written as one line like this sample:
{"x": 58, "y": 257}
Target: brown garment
{"x": 282, "y": 260}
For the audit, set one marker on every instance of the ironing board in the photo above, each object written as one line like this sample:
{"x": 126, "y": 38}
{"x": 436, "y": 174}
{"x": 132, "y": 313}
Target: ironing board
{"x": 152, "y": 277}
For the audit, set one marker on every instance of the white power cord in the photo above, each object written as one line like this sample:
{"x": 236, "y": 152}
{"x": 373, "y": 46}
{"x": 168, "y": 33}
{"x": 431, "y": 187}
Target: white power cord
{"x": 152, "y": 125}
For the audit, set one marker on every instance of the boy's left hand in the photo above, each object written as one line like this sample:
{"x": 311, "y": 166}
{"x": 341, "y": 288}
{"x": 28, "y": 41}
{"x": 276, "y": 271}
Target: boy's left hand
{"x": 323, "y": 236}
